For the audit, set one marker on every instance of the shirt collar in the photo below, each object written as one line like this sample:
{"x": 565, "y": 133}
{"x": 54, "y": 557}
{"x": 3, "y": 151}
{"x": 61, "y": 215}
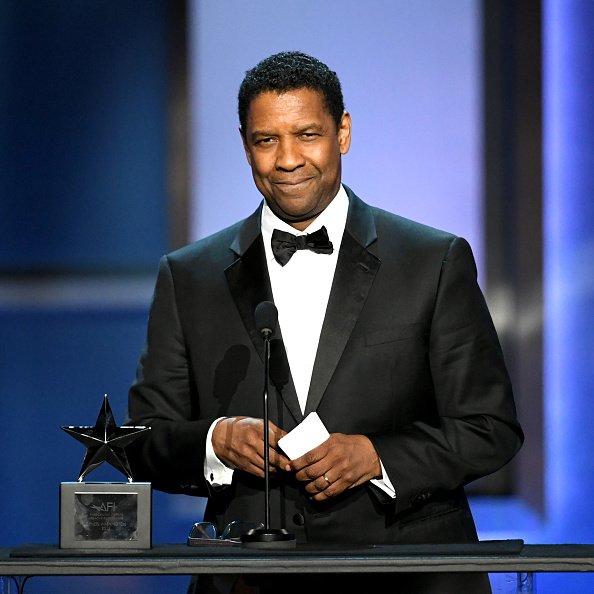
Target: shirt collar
{"x": 333, "y": 217}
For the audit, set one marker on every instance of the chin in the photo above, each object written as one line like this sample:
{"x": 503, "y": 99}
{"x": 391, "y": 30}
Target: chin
{"x": 294, "y": 215}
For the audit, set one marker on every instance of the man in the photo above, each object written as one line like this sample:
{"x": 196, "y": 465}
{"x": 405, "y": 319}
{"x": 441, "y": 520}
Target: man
{"x": 385, "y": 335}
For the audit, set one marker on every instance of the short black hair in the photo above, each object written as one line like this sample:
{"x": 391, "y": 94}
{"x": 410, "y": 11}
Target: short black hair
{"x": 288, "y": 71}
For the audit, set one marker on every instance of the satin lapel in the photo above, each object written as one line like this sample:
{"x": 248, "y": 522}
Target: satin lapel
{"x": 355, "y": 271}
{"x": 249, "y": 285}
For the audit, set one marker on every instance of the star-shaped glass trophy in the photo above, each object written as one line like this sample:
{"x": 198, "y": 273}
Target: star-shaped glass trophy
{"x": 105, "y": 515}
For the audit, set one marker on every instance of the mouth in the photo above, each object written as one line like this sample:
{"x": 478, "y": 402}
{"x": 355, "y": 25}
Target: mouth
{"x": 291, "y": 182}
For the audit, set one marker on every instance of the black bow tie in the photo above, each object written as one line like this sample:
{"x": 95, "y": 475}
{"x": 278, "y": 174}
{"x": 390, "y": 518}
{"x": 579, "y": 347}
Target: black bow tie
{"x": 284, "y": 244}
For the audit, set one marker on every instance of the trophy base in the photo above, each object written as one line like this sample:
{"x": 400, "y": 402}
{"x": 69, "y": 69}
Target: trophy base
{"x": 105, "y": 515}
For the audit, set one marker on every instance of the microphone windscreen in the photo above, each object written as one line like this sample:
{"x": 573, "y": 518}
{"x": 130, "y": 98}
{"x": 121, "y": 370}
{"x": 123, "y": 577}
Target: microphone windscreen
{"x": 266, "y": 316}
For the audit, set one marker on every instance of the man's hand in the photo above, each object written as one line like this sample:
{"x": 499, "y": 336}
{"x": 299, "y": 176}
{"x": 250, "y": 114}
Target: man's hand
{"x": 239, "y": 443}
{"x": 341, "y": 462}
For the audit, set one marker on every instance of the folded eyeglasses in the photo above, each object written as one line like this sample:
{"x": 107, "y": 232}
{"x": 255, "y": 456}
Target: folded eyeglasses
{"x": 206, "y": 533}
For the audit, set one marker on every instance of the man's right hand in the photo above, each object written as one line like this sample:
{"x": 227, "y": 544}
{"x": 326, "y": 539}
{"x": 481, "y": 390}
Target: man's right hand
{"x": 239, "y": 443}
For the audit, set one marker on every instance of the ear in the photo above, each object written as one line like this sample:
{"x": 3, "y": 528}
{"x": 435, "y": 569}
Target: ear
{"x": 245, "y": 146}
{"x": 344, "y": 133}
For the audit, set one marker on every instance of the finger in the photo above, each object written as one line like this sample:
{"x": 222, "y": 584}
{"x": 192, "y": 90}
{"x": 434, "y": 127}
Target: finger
{"x": 312, "y": 464}
{"x": 279, "y": 460}
{"x": 252, "y": 461}
{"x": 312, "y": 472}
{"x": 312, "y": 457}
{"x": 322, "y": 489}
{"x": 315, "y": 487}
{"x": 325, "y": 495}
{"x": 275, "y": 432}
{"x": 276, "y": 457}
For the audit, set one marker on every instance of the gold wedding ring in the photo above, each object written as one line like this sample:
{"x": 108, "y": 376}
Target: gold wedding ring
{"x": 327, "y": 480}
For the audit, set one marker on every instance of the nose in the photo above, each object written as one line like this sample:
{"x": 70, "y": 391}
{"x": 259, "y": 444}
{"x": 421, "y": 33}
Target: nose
{"x": 288, "y": 156}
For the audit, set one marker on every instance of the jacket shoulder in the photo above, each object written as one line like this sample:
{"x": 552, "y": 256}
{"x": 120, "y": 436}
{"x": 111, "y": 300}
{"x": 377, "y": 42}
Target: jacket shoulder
{"x": 373, "y": 223}
{"x": 404, "y": 228}
{"x": 215, "y": 248}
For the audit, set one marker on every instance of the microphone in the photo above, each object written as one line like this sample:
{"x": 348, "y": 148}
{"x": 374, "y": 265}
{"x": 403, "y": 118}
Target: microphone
{"x": 266, "y": 317}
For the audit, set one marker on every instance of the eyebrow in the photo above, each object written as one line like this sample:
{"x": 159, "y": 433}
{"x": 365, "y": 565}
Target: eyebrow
{"x": 300, "y": 130}
{"x": 312, "y": 126}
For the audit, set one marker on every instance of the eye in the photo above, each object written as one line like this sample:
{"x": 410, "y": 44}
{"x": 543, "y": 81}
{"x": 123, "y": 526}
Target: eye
{"x": 264, "y": 141}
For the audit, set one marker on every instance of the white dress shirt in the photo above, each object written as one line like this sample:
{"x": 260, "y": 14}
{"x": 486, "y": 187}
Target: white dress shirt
{"x": 301, "y": 288}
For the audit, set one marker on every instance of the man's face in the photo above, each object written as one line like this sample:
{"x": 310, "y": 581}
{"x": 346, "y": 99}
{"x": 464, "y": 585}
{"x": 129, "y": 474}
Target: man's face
{"x": 294, "y": 149}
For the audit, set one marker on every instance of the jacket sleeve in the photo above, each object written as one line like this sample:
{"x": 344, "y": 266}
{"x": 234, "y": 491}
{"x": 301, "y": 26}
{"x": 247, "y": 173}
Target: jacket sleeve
{"x": 476, "y": 431}
{"x": 171, "y": 455}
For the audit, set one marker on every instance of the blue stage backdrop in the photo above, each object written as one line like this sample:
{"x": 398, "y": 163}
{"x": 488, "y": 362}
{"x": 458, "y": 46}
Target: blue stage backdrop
{"x": 83, "y": 214}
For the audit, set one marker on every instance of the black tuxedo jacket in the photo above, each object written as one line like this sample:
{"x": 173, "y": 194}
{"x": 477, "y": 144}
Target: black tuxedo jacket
{"x": 408, "y": 356}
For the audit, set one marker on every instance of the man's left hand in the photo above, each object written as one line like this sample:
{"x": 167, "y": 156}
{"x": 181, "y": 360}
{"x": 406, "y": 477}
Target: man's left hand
{"x": 341, "y": 462}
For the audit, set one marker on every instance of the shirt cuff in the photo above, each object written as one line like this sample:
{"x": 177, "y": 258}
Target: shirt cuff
{"x": 385, "y": 484}
{"x": 216, "y": 472}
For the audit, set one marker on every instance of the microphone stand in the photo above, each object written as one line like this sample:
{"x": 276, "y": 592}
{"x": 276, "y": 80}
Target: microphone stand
{"x": 267, "y": 538}
{"x": 266, "y": 437}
